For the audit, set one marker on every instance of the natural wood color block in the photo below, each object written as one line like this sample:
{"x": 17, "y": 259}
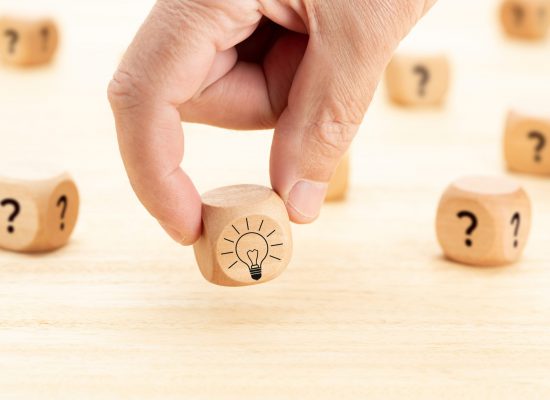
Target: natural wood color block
{"x": 38, "y": 209}
{"x": 339, "y": 183}
{"x": 246, "y": 237}
{"x": 418, "y": 79}
{"x": 527, "y": 143}
{"x": 525, "y": 19}
{"x": 484, "y": 221}
{"x": 27, "y": 42}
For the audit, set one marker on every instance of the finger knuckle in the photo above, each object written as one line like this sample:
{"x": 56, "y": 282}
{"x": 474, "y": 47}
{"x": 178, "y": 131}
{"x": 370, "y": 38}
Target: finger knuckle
{"x": 124, "y": 91}
{"x": 335, "y": 130}
{"x": 333, "y": 137}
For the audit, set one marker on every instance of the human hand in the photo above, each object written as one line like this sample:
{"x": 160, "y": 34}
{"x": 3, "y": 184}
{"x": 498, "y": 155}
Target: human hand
{"x": 307, "y": 68}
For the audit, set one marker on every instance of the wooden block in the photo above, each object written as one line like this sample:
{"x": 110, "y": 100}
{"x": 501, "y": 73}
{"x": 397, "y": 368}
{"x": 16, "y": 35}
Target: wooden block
{"x": 38, "y": 209}
{"x": 26, "y": 42}
{"x": 484, "y": 221}
{"x": 418, "y": 79}
{"x": 526, "y": 143}
{"x": 525, "y": 19}
{"x": 338, "y": 185}
{"x": 246, "y": 237}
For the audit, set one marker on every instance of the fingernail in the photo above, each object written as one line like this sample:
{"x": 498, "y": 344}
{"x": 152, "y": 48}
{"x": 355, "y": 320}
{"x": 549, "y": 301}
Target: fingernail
{"x": 306, "y": 198}
{"x": 174, "y": 233}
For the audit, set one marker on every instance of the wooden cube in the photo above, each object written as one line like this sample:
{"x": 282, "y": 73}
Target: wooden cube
{"x": 26, "y": 42}
{"x": 339, "y": 184}
{"x": 484, "y": 221}
{"x": 38, "y": 209}
{"x": 246, "y": 237}
{"x": 526, "y": 143}
{"x": 525, "y": 19}
{"x": 418, "y": 79}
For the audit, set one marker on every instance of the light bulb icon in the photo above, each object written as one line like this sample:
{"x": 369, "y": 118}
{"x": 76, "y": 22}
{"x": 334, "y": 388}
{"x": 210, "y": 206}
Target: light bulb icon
{"x": 247, "y": 243}
{"x": 252, "y": 249}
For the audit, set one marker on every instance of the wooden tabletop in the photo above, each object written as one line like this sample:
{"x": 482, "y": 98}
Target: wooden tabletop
{"x": 368, "y": 307}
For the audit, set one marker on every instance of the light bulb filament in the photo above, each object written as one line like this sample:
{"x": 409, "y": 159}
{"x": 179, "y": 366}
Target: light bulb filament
{"x": 253, "y": 256}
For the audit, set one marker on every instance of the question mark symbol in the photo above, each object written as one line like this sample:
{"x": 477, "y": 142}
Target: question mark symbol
{"x": 13, "y": 38}
{"x": 424, "y": 79}
{"x": 516, "y": 220}
{"x": 14, "y": 214}
{"x": 472, "y": 227}
{"x": 518, "y": 12}
{"x": 62, "y": 201}
{"x": 45, "y": 34}
{"x": 541, "y": 139}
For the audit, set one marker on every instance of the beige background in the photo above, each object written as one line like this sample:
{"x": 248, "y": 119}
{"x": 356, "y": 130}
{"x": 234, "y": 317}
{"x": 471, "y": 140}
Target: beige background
{"x": 368, "y": 307}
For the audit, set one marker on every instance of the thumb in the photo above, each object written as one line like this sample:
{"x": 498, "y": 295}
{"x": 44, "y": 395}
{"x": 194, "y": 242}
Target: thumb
{"x": 330, "y": 94}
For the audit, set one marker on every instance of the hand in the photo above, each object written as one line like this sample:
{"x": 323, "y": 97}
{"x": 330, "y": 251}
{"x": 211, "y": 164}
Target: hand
{"x": 307, "y": 68}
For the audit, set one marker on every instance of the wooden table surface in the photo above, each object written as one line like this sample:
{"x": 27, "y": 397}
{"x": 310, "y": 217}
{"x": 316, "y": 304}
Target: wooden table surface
{"x": 368, "y": 307}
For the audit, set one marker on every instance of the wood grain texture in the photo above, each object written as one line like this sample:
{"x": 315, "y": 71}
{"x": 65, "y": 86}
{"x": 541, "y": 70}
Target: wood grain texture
{"x": 368, "y": 308}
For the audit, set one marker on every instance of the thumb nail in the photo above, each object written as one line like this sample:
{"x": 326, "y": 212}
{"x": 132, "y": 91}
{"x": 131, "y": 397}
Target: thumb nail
{"x": 305, "y": 200}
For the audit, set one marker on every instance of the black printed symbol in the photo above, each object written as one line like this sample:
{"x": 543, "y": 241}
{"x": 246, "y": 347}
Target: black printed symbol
{"x": 250, "y": 246}
{"x": 471, "y": 228}
{"x": 541, "y": 143}
{"x": 13, "y": 38}
{"x": 542, "y": 14}
{"x": 424, "y": 74}
{"x": 16, "y": 209}
{"x": 62, "y": 201}
{"x": 519, "y": 14}
{"x": 516, "y": 220}
{"x": 45, "y": 32}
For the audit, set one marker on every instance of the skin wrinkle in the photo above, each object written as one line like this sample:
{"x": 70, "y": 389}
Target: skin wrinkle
{"x": 333, "y": 136}
{"x": 155, "y": 69}
{"x": 343, "y": 58}
{"x": 121, "y": 91}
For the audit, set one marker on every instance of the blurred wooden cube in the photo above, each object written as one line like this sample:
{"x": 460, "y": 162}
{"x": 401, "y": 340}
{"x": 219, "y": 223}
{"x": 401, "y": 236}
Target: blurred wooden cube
{"x": 26, "y": 42}
{"x": 526, "y": 143}
{"x": 525, "y": 19}
{"x": 418, "y": 79}
{"x": 339, "y": 183}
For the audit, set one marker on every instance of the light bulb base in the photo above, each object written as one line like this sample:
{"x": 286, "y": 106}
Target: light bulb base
{"x": 256, "y": 272}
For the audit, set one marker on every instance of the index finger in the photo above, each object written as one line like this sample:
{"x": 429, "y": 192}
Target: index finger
{"x": 164, "y": 67}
